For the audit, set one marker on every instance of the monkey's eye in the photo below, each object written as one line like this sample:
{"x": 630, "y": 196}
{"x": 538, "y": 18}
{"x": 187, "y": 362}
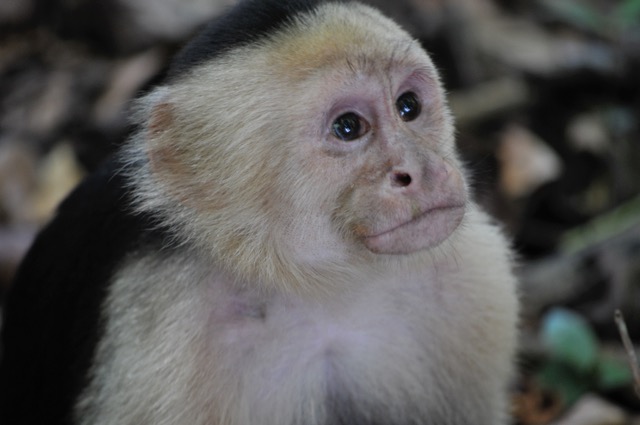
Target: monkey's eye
{"x": 348, "y": 127}
{"x": 408, "y": 106}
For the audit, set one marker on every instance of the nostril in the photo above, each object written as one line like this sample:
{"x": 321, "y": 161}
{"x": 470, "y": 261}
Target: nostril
{"x": 400, "y": 180}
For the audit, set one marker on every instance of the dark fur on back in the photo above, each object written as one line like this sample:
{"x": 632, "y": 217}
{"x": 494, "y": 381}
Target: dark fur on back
{"x": 246, "y": 23}
{"x": 51, "y": 318}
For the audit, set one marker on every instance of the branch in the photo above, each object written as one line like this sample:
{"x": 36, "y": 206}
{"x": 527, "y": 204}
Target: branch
{"x": 631, "y": 354}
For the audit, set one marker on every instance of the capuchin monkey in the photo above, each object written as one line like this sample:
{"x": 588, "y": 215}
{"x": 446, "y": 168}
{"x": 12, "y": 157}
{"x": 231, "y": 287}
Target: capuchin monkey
{"x": 288, "y": 239}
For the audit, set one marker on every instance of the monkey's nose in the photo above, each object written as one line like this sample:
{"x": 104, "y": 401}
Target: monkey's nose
{"x": 400, "y": 179}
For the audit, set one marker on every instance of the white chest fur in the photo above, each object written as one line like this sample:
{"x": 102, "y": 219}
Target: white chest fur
{"x": 183, "y": 346}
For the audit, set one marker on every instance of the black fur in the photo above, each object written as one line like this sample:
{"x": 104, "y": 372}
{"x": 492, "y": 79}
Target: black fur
{"x": 51, "y": 317}
{"x": 246, "y": 23}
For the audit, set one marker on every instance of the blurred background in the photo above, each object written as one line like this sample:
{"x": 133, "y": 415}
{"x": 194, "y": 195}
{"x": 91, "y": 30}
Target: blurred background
{"x": 546, "y": 95}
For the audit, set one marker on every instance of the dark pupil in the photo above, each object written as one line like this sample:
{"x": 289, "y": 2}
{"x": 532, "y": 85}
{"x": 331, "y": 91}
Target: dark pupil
{"x": 408, "y": 106}
{"x": 347, "y": 127}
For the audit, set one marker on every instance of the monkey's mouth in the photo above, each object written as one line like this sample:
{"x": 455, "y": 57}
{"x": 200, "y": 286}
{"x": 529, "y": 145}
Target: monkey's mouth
{"x": 426, "y": 230}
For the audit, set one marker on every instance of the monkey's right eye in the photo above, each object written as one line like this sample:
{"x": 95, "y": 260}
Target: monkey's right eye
{"x": 348, "y": 127}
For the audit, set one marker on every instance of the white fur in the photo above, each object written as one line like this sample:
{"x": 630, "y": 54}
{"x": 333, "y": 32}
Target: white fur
{"x": 184, "y": 345}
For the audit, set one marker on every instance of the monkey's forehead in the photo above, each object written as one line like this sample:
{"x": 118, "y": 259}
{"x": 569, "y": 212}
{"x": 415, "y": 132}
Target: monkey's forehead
{"x": 298, "y": 37}
{"x": 353, "y": 35}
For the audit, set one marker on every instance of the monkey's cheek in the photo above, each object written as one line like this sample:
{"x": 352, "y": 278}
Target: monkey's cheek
{"x": 423, "y": 232}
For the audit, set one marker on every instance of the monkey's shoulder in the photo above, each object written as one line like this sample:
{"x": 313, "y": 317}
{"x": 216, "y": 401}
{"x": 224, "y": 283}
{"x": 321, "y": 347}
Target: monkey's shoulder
{"x": 53, "y": 306}
{"x": 93, "y": 228}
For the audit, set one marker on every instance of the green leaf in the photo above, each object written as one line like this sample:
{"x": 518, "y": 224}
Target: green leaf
{"x": 612, "y": 373}
{"x": 628, "y": 12}
{"x": 575, "y": 12}
{"x": 563, "y": 381}
{"x": 570, "y": 339}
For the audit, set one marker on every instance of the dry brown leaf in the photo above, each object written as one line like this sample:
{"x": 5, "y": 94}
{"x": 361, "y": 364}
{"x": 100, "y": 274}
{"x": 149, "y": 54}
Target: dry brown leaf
{"x": 527, "y": 162}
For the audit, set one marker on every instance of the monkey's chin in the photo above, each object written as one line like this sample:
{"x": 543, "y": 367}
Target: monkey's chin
{"x": 425, "y": 231}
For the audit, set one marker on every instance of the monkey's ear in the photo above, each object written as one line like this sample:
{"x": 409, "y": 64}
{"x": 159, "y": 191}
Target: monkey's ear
{"x": 167, "y": 160}
{"x": 169, "y": 154}
{"x": 164, "y": 156}
{"x": 160, "y": 119}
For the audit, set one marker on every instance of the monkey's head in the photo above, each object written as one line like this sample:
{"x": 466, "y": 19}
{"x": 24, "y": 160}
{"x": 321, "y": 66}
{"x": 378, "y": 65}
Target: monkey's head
{"x": 326, "y": 141}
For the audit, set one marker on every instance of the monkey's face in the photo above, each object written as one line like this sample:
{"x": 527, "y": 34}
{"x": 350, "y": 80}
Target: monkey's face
{"x": 331, "y": 140}
{"x": 382, "y": 157}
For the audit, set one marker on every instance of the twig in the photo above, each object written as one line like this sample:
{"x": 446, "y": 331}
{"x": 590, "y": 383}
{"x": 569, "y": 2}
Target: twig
{"x": 631, "y": 353}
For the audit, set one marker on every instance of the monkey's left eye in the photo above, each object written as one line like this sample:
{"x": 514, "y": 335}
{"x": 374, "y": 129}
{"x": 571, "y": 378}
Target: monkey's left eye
{"x": 408, "y": 106}
{"x": 348, "y": 127}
